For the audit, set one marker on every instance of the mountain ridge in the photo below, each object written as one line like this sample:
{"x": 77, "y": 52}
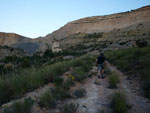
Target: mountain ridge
{"x": 87, "y": 25}
{"x": 145, "y": 11}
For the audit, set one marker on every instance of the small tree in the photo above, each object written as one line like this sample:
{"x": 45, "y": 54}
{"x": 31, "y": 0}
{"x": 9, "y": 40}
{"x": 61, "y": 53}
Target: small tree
{"x": 48, "y": 53}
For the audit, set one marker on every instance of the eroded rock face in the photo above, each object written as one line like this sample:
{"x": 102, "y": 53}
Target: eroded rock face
{"x": 103, "y": 23}
{"x": 18, "y": 41}
{"x": 29, "y": 47}
{"x": 56, "y": 47}
{"x": 11, "y": 38}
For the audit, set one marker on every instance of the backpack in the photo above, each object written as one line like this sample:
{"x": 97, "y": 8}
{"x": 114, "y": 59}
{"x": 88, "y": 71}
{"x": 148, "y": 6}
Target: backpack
{"x": 100, "y": 60}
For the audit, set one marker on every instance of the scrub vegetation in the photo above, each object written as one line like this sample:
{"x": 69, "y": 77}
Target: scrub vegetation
{"x": 134, "y": 61}
{"x": 14, "y": 85}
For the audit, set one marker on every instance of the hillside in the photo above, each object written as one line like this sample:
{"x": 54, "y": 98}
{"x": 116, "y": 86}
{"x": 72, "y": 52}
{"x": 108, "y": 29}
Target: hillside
{"x": 9, "y": 51}
{"x": 68, "y": 81}
{"x": 73, "y": 87}
{"x": 18, "y": 41}
{"x": 112, "y": 29}
{"x": 12, "y": 38}
{"x": 103, "y": 23}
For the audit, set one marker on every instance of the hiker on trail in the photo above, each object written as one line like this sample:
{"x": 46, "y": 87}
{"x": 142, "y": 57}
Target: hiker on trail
{"x": 100, "y": 64}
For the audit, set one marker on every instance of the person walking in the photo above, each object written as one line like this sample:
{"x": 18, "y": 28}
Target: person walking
{"x": 101, "y": 63}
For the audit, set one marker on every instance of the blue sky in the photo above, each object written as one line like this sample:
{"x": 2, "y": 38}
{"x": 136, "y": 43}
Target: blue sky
{"x": 34, "y": 18}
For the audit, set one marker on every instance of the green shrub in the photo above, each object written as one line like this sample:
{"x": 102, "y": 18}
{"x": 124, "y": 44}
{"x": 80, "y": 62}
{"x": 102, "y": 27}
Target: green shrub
{"x": 107, "y": 71}
{"x": 80, "y": 78}
{"x": 146, "y": 86}
{"x": 113, "y": 80}
{"x": 141, "y": 43}
{"x": 89, "y": 75}
{"x": 20, "y": 107}
{"x": 58, "y": 81}
{"x": 94, "y": 35}
{"x": 119, "y": 103}
{"x": 77, "y": 62}
{"x": 59, "y": 93}
{"x": 47, "y": 100}
{"x": 79, "y": 74}
{"x": 68, "y": 83}
{"x": 122, "y": 43}
{"x": 101, "y": 111}
{"x": 58, "y": 69}
{"x": 79, "y": 93}
{"x": 4, "y": 70}
{"x": 6, "y": 92}
{"x": 48, "y": 53}
{"x": 122, "y": 64}
{"x": 69, "y": 108}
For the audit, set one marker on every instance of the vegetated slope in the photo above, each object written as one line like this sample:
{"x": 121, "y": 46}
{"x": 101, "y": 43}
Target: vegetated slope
{"x": 15, "y": 85}
{"x": 91, "y": 95}
{"x": 9, "y": 51}
{"x": 133, "y": 22}
{"x": 115, "y": 39}
{"x": 104, "y": 31}
{"x": 135, "y": 62}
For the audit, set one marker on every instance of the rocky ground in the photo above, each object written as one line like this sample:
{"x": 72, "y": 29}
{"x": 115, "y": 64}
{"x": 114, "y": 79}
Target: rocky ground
{"x": 97, "y": 97}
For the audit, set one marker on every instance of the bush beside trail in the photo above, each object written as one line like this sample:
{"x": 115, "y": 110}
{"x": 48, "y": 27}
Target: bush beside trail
{"x": 119, "y": 103}
{"x": 133, "y": 61}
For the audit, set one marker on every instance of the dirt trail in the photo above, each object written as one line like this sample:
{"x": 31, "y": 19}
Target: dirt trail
{"x": 138, "y": 103}
{"x": 97, "y": 98}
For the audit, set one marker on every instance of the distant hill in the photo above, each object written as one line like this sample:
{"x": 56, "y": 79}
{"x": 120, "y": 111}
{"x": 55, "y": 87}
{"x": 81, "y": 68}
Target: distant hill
{"x": 116, "y": 28}
{"x": 18, "y": 41}
{"x": 103, "y": 23}
{"x": 124, "y": 26}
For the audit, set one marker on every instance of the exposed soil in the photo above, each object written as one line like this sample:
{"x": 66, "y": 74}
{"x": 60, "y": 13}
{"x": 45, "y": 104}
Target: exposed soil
{"x": 97, "y": 97}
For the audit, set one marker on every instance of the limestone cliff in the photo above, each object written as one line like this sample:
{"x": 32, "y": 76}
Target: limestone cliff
{"x": 103, "y": 23}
